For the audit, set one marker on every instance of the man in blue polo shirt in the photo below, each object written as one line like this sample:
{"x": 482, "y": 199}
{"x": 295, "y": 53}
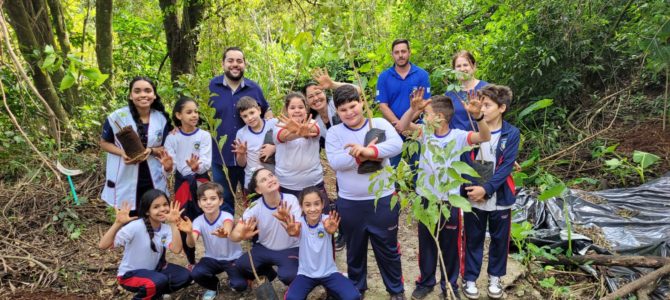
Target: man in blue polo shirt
{"x": 226, "y": 90}
{"x": 396, "y": 84}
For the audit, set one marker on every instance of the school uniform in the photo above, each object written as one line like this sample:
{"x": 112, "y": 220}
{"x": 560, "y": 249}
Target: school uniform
{"x": 274, "y": 246}
{"x": 317, "y": 265}
{"x": 360, "y": 218}
{"x": 181, "y": 146}
{"x": 255, "y": 141}
{"x": 127, "y": 183}
{"x": 298, "y": 163}
{"x": 449, "y": 231}
{"x": 496, "y": 212}
{"x": 220, "y": 255}
{"x": 141, "y": 271}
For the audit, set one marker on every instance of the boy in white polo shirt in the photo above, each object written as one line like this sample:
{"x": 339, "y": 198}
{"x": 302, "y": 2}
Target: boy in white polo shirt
{"x": 214, "y": 225}
{"x": 361, "y": 219}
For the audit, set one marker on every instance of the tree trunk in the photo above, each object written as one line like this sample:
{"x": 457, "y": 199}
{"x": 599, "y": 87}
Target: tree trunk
{"x": 58, "y": 22}
{"x": 30, "y": 21}
{"x": 182, "y": 39}
{"x": 103, "y": 41}
{"x": 609, "y": 260}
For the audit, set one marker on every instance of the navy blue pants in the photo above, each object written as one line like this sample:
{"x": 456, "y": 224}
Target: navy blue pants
{"x": 499, "y": 224}
{"x": 150, "y": 284}
{"x": 205, "y": 271}
{"x": 236, "y": 175}
{"x": 449, "y": 239}
{"x": 360, "y": 222}
{"x": 286, "y": 261}
{"x": 337, "y": 285}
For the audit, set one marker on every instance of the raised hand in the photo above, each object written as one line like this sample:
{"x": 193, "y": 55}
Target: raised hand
{"x": 123, "y": 214}
{"x": 266, "y": 151}
{"x": 221, "y": 232}
{"x": 302, "y": 128}
{"x": 474, "y": 105}
{"x": 166, "y": 161}
{"x": 185, "y": 225}
{"x": 174, "y": 216}
{"x": 416, "y": 100}
{"x": 292, "y": 227}
{"x": 239, "y": 146}
{"x": 332, "y": 222}
{"x": 321, "y": 76}
{"x": 283, "y": 212}
{"x": 248, "y": 228}
{"x": 193, "y": 162}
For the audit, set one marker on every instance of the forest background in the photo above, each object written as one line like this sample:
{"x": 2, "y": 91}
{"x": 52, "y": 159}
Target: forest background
{"x": 590, "y": 80}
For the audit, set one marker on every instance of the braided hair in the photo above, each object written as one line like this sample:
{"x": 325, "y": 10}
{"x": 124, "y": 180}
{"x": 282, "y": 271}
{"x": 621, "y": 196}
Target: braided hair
{"x": 157, "y": 105}
{"x": 143, "y": 211}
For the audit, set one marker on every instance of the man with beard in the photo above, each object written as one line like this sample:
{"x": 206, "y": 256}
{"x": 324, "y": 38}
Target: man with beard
{"x": 396, "y": 84}
{"x": 226, "y": 90}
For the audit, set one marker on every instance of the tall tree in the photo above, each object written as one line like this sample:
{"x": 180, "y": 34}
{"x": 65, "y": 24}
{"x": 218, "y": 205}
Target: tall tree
{"x": 182, "y": 39}
{"x": 103, "y": 40}
{"x": 32, "y": 26}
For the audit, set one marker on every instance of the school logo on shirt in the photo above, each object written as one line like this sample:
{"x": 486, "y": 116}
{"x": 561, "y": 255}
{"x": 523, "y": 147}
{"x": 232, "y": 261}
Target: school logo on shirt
{"x": 159, "y": 135}
{"x": 503, "y": 143}
{"x": 196, "y": 145}
{"x": 321, "y": 233}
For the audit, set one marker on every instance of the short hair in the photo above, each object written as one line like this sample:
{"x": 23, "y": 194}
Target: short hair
{"x": 232, "y": 49}
{"x": 254, "y": 177}
{"x": 463, "y": 53}
{"x": 245, "y": 103}
{"x": 291, "y": 96}
{"x": 210, "y": 186}
{"x": 345, "y": 94}
{"x": 399, "y": 41}
{"x": 499, "y": 94}
{"x": 443, "y": 105}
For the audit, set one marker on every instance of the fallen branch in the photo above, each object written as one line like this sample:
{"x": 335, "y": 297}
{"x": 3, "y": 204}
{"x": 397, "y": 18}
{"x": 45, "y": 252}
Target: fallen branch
{"x": 609, "y": 260}
{"x": 638, "y": 283}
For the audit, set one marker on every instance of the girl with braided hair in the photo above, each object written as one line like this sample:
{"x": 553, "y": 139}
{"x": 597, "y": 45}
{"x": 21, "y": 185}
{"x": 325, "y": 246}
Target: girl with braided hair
{"x": 143, "y": 268}
{"x": 130, "y": 177}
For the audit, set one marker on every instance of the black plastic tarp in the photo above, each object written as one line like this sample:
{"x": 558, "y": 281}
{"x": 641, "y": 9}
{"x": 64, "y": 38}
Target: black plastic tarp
{"x": 634, "y": 221}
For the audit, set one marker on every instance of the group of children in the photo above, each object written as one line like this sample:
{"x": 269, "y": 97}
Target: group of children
{"x": 291, "y": 221}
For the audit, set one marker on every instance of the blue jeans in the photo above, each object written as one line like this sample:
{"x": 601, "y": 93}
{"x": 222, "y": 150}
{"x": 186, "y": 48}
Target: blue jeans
{"x": 236, "y": 175}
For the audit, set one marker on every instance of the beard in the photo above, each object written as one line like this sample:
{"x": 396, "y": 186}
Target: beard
{"x": 402, "y": 65}
{"x": 234, "y": 78}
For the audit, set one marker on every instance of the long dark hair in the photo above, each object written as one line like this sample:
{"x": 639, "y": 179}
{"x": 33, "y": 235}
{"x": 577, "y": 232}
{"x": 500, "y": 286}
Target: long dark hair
{"x": 254, "y": 176}
{"x": 156, "y": 105}
{"x": 142, "y": 211}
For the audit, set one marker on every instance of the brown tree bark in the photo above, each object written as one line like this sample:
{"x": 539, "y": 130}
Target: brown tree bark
{"x": 33, "y": 31}
{"x": 182, "y": 39}
{"x": 103, "y": 41}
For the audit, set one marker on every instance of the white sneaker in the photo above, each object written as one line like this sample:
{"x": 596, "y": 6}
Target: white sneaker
{"x": 167, "y": 297}
{"x": 470, "y": 290}
{"x": 495, "y": 287}
{"x": 209, "y": 295}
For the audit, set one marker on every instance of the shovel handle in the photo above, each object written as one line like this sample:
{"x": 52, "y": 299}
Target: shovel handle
{"x": 74, "y": 192}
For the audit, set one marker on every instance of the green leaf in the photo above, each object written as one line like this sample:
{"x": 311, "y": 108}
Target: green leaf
{"x": 544, "y": 103}
{"x": 464, "y": 168}
{"x": 460, "y": 202}
{"x": 554, "y": 191}
{"x": 613, "y": 163}
{"x": 644, "y": 159}
{"x": 67, "y": 82}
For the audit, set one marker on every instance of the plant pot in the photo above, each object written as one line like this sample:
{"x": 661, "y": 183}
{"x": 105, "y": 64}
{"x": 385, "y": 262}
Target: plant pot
{"x": 370, "y": 166}
{"x": 485, "y": 171}
{"x": 268, "y": 140}
{"x": 130, "y": 142}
